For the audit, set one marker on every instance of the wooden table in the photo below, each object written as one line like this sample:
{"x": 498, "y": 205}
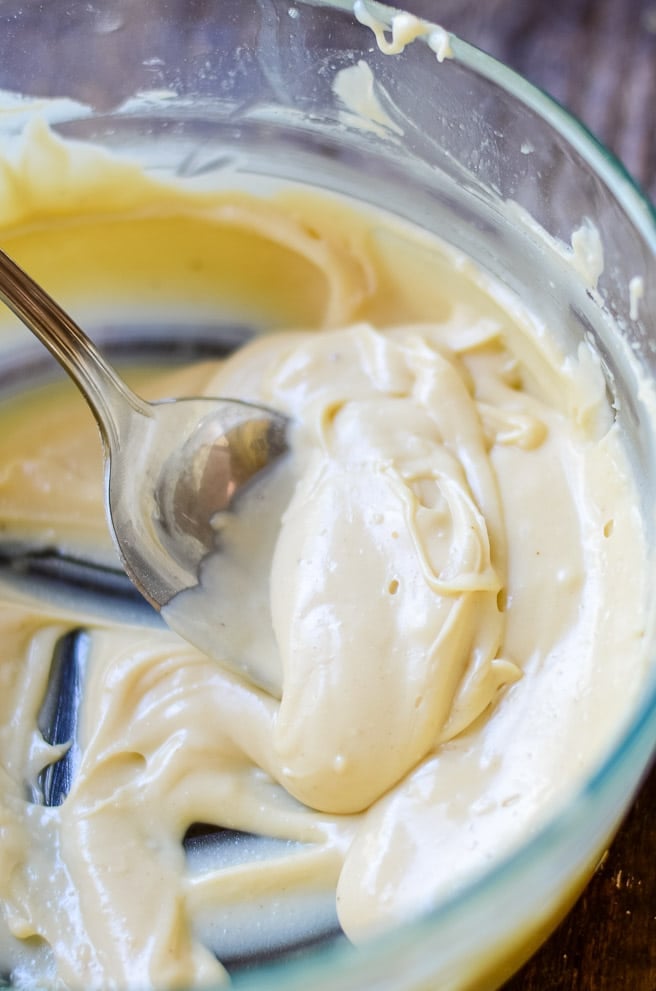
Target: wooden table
{"x": 598, "y": 58}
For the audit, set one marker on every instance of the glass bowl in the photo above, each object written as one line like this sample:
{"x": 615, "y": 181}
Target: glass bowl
{"x": 459, "y": 145}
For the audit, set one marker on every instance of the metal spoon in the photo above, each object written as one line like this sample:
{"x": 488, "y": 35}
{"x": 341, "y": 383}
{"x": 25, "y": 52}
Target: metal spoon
{"x": 170, "y": 466}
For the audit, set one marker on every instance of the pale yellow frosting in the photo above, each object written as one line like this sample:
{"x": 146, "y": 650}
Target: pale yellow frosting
{"x": 456, "y": 588}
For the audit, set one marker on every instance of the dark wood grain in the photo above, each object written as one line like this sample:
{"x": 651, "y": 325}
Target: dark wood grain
{"x": 597, "y": 58}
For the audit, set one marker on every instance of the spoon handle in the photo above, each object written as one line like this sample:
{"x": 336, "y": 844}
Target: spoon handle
{"x": 110, "y": 400}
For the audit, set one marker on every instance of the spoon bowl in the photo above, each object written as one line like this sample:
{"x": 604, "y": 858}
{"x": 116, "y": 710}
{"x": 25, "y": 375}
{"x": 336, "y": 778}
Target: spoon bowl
{"x": 171, "y": 467}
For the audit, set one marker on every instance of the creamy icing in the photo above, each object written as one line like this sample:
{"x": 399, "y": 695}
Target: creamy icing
{"x": 456, "y": 586}
{"x": 404, "y": 28}
{"x": 355, "y": 87}
{"x": 636, "y": 294}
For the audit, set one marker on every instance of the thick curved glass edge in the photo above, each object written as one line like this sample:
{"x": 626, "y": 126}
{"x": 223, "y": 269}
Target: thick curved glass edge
{"x": 609, "y": 167}
{"x": 613, "y": 172}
